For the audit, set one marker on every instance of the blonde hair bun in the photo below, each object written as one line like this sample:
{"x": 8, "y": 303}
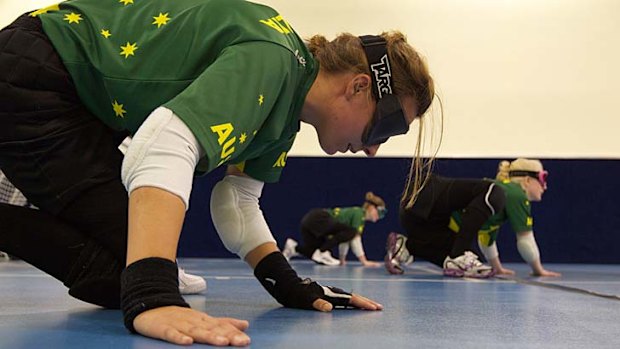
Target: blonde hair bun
{"x": 374, "y": 199}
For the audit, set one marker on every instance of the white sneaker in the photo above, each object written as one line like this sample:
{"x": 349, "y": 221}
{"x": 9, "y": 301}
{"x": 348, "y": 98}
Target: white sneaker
{"x": 191, "y": 284}
{"x": 466, "y": 265}
{"x": 397, "y": 254}
{"x": 324, "y": 257}
{"x": 289, "y": 251}
{"x": 4, "y": 256}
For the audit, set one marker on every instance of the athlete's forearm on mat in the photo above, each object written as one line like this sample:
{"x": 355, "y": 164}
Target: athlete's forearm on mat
{"x": 155, "y": 221}
{"x": 260, "y": 252}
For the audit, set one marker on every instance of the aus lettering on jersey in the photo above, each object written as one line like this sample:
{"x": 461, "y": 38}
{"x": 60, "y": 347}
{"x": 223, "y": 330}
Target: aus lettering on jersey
{"x": 281, "y": 162}
{"x": 283, "y": 27}
{"x": 278, "y": 23}
{"x": 224, "y": 139}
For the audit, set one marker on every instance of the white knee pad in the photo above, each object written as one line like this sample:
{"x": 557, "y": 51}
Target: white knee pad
{"x": 237, "y": 216}
{"x": 527, "y": 247}
{"x": 163, "y": 154}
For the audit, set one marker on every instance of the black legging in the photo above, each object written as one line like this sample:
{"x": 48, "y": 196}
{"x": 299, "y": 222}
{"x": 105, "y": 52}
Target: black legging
{"x": 66, "y": 162}
{"x": 319, "y": 230}
{"x": 426, "y": 223}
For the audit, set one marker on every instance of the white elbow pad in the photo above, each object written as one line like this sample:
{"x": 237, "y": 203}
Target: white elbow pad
{"x": 489, "y": 252}
{"x": 162, "y": 154}
{"x": 237, "y": 216}
{"x": 528, "y": 249}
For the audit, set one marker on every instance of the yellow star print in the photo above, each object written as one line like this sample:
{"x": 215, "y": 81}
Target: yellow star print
{"x": 128, "y": 49}
{"x": 73, "y": 18}
{"x": 162, "y": 19}
{"x": 242, "y": 138}
{"x": 118, "y": 109}
{"x": 261, "y": 99}
{"x": 126, "y": 2}
{"x": 106, "y": 33}
{"x": 45, "y": 10}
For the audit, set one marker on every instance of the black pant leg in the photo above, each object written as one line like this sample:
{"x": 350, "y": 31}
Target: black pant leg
{"x": 40, "y": 239}
{"x": 339, "y": 233}
{"x": 66, "y": 162}
{"x": 309, "y": 243}
{"x": 90, "y": 271}
{"x": 101, "y": 213}
{"x": 429, "y": 236}
{"x": 428, "y": 241}
{"x": 313, "y": 231}
{"x": 477, "y": 200}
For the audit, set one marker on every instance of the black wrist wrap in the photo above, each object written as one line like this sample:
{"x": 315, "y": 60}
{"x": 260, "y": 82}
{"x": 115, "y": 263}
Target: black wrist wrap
{"x": 281, "y": 281}
{"x": 148, "y": 284}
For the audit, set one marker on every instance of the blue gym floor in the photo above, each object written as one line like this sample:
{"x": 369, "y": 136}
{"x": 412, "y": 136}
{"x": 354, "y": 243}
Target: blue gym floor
{"x": 423, "y": 309}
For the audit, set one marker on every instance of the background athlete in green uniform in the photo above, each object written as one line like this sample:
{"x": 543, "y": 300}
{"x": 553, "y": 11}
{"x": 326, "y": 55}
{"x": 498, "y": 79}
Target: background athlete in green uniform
{"x": 524, "y": 181}
{"x": 452, "y": 212}
{"x": 324, "y": 229}
{"x": 198, "y": 84}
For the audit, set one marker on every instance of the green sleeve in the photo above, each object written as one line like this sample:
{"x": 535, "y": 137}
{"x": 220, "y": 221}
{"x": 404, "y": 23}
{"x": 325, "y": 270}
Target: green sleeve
{"x": 227, "y": 105}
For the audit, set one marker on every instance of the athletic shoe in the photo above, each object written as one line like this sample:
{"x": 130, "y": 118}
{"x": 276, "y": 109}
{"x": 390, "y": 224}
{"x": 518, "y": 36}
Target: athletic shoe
{"x": 4, "y": 256}
{"x": 466, "y": 265}
{"x": 324, "y": 257}
{"x": 397, "y": 254}
{"x": 289, "y": 251}
{"x": 191, "y": 284}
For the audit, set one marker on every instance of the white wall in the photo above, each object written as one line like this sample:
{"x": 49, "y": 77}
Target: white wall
{"x": 532, "y": 78}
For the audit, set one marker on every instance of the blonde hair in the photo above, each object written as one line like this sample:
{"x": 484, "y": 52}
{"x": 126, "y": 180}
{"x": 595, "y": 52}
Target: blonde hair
{"x": 372, "y": 199}
{"x": 521, "y": 164}
{"x": 410, "y": 77}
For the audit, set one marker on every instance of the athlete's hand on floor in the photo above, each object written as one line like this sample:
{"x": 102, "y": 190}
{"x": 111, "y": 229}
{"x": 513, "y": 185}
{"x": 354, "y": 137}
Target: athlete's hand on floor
{"x": 185, "y": 326}
{"x": 504, "y": 271}
{"x": 371, "y": 264}
{"x": 356, "y": 301}
{"x": 546, "y": 273}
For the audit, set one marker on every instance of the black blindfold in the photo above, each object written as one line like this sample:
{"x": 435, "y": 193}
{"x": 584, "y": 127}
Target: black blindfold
{"x": 388, "y": 119}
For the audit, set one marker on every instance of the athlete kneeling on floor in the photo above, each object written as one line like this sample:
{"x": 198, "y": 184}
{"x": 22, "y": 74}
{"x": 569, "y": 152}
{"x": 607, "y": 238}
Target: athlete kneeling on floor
{"x": 450, "y": 212}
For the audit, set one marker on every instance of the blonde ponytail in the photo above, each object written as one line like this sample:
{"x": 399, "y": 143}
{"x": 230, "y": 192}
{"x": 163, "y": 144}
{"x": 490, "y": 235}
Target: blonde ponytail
{"x": 503, "y": 171}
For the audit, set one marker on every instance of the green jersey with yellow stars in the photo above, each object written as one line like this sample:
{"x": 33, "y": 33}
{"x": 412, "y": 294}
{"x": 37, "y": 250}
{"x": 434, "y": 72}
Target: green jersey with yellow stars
{"x": 235, "y": 72}
{"x": 351, "y": 216}
{"x": 517, "y": 211}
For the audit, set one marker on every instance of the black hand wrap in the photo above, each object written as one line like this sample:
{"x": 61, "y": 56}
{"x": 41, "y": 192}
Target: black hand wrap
{"x": 148, "y": 284}
{"x": 282, "y": 282}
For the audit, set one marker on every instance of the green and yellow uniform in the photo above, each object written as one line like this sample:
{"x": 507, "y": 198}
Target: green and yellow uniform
{"x": 351, "y": 216}
{"x": 235, "y": 72}
{"x": 517, "y": 211}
